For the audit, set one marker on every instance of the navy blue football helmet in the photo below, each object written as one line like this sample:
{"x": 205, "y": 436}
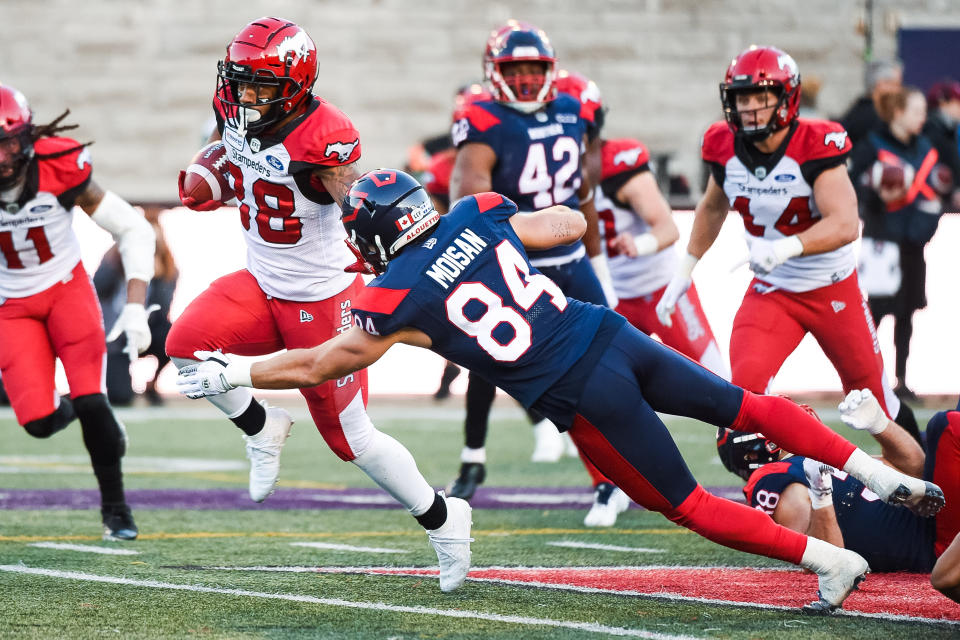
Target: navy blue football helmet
{"x": 384, "y": 211}
{"x": 521, "y": 42}
{"x": 742, "y": 452}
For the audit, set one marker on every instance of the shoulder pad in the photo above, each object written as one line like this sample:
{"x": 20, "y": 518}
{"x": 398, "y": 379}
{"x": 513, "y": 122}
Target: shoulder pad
{"x": 63, "y": 173}
{"x": 818, "y": 139}
{"x": 717, "y": 145}
{"x": 326, "y": 137}
{"x": 622, "y": 155}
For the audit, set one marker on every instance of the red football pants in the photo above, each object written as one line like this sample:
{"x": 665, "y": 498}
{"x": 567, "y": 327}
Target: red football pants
{"x": 690, "y": 334}
{"x": 234, "y": 315}
{"x": 63, "y": 322}
{"x": 768, "y": 327}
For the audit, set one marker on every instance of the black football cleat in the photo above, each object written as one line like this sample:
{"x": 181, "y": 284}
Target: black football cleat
{"x": 118, "y": 523}
{"x": 471, "y": 476}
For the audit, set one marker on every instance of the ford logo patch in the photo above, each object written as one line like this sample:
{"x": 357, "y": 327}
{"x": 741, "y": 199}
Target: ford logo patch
{"x": 40, "y": 208}
{"x": 784, "y": 177}
{"x": 273, "y": 162}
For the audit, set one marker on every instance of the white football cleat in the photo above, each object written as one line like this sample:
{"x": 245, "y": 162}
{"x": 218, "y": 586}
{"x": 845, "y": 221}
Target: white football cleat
{"x": 836, "y": 582}
{"x": 548, "y": 443}
{"x": 263, "y": 450}
{"x": 922, "y": 497}
{"x": 569, "y": 447}
{"x": 452, "y": 541}
{"x": 608, "y": 502}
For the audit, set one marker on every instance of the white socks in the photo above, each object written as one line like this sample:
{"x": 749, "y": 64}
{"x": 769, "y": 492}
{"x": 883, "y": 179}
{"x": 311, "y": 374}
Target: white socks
{"x": 474, "y": 455}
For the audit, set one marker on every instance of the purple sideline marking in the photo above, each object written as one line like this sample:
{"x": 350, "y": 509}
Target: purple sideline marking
{"x": 227, "y": 499}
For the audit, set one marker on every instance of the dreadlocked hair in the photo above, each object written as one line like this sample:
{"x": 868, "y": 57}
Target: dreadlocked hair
{"x": 51, "y": 129}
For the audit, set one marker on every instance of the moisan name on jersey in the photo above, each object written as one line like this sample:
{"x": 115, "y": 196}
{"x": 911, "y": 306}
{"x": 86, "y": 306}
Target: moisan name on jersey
{"x": 456, "y": 257}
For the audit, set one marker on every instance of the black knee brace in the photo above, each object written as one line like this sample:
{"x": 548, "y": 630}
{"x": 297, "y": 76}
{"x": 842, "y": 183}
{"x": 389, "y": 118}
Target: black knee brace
{"x": 48, "y": 425}
{"x": 102, "y": 434}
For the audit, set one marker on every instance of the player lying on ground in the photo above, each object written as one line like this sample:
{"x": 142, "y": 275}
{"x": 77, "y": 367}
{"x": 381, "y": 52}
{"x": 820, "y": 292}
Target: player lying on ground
{"x": 462, "y": 286}
{"x": 807, "y": 496}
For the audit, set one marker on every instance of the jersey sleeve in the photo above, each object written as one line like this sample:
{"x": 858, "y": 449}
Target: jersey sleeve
{"x": 475, "y": 124}
{"x": 64, "y": 168}
{"x": 621, "y": 160}
{"x": 492, "y": 205}
{"x": 716, "y": 149}
{"x": 767, "y": 483}
{"x": 327, "y": 138}
{"x": 819, "y": 145}
{"x": 380, "y": 310}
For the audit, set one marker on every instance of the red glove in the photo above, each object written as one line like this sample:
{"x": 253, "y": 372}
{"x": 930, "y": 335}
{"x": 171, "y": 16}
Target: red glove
{"x": 193, "y": 203}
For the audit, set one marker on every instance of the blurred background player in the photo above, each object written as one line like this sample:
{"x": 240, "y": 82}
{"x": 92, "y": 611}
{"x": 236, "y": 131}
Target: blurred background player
{"x": 527, "y": 143}
{"x": 941, "y": 127}
{"x": 294, "y": 291}
{"x": 48, "y": 307}
{"x": 900, "y": 185}
{"x": 809, "y": 497}
{"x": 882, "y": 76}
{"x": 582, "y": 365}
{"x": 786, "y": 176}
{"x": 107, "y": 281}
{"x": 638, "y": 232}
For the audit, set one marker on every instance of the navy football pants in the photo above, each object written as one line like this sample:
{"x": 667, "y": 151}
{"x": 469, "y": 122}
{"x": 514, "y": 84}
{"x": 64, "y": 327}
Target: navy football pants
{"x": 617, "y": 428}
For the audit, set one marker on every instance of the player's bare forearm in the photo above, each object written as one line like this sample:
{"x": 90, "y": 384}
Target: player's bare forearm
{"x": 548, "y": 227}
{"x": 900, "y": 450}
{"x": 348, "y": 352}
{"x": 836, "y": 201}
{"x": 337, "y": 180}
{"x": 824, "y": 526}
{"x": 708, "y": 218}
{"x": 591, "y": 237}
{"x": 945, "y": 576}
{"x": 643, "y": 195}
{"x": 136, "y": 291}
{"x": 472, "y": 170}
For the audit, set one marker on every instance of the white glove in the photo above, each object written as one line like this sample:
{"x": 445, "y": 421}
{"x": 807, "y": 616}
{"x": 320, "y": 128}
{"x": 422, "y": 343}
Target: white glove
{"x": 215, "y": 375}
{"x": 679, "y": 283}
{"x": 820, "y": 479}
{"x": 132, "y": 323}
{"x": 599, "y": 264}
{"x": 860, "y": 410}
{"x": 767, "y": 255}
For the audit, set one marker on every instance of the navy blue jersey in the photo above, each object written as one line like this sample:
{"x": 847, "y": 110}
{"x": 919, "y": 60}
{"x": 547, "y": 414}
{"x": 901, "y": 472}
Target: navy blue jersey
{"x": 538, "y": 155}
{"x": 889, "y": 538}
{"x": 470, "y": 287}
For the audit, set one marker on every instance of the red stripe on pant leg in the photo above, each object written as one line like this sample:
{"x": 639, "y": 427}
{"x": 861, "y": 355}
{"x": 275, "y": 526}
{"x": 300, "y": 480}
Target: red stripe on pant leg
{"x": 738, "y": 526}
{"x": 596, "y": 476}
{"x": 946, "y": 474}
{"x": 608, "y": 460}
{"x": 784, "y": 422}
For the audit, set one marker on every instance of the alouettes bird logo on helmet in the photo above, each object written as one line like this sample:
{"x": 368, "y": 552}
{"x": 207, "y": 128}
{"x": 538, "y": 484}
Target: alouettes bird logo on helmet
{"x": 298, "y": 44}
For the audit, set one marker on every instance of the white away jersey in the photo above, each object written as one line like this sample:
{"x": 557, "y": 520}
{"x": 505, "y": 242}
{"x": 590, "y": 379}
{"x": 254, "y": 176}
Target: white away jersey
{"x": 774, "y": 193}
{"x": 295, "y": 240}
{"x": 38, "y": 247}
{"x": 632, "y": 277}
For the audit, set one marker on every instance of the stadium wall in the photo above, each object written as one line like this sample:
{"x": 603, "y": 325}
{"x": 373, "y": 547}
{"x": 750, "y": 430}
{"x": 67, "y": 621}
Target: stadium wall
{"x": 139, "y": 75}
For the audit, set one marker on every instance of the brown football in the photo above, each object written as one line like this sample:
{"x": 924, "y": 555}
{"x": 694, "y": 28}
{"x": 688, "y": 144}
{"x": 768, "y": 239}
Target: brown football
{"x": 208, "y": 176}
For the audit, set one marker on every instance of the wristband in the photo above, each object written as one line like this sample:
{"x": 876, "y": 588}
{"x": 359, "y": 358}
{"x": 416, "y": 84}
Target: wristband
{"x": 237, "y": 374}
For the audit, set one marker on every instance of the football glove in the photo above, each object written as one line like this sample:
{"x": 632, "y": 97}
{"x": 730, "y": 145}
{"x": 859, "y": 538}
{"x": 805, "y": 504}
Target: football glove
{"x": 821, "y": 483}
{"x": 132, "y": 323}
{"x": 860, "y": 410}
{"x": 767, "y": 255}
{"x": 679, "y": 283}
{"x": 193, "y": 203}
{"x": 207, "y": 378}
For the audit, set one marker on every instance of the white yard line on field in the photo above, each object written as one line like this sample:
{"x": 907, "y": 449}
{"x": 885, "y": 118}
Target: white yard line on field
{"x": 602, "y": 547}
{"x": 337, "y": 602}
{"x": 345, "y": 547}
{"x": 85, "y": 548}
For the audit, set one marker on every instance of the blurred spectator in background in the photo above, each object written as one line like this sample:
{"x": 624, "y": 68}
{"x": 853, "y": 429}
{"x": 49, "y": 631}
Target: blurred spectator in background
{"x": 943, "y": 118}
{"x": 883, "y": 76}
{"x": 900, "y": 184}
{"x": 109, "y": 283}
{"x": 808, "y": 98}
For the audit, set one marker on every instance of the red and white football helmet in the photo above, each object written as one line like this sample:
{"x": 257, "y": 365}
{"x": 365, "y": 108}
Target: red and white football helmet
{"x": 16, "y": 136}
{"x": 588, "y": 93}
{"x": 760, "y": 68}
{"x": 267, "y": 52}
{"x": 520, "y": 42}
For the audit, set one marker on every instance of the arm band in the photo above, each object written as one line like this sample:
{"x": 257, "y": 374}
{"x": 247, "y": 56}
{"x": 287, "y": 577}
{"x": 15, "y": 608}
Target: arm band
{"x": 134, "y": 236}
